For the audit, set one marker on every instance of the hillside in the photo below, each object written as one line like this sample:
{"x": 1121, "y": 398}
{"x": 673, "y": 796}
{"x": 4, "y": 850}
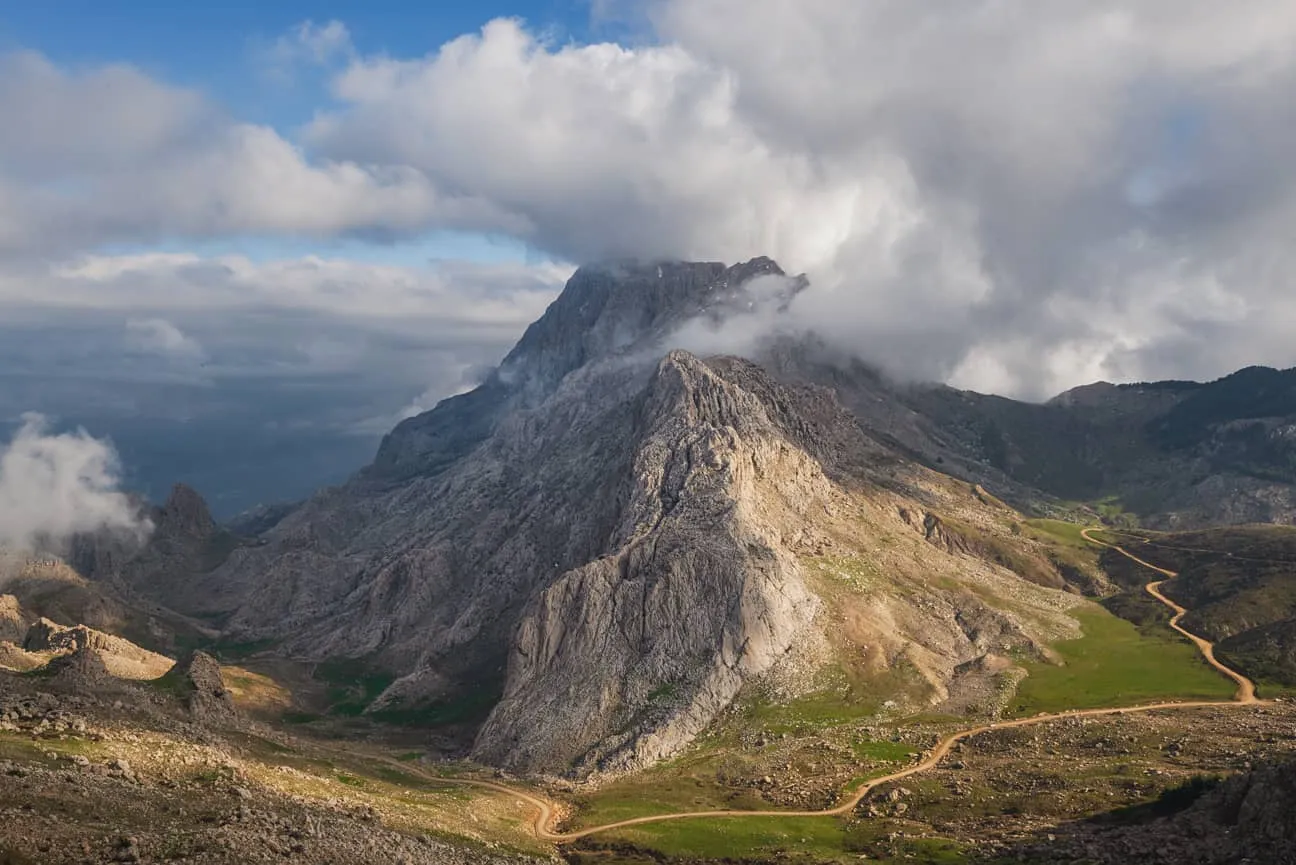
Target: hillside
{"x": 652, "y": 582}
{"x": 1240, "y": 587}
{"x": 1167, "y": 454}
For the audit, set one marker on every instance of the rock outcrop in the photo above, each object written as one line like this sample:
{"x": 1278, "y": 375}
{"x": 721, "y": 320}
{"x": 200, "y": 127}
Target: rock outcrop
{"x": 121, "y": 658}
{"x": 1250, "y": 817}
{"x": 82, "y": 670}
{"x": 13, "y": 621}
{"x": 203, "y": 690}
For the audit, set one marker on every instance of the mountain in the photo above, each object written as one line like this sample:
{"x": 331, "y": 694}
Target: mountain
{"x": 590, "y": 556}
{"x": 1172, "y": 454}
{"x": 593, "y": 553}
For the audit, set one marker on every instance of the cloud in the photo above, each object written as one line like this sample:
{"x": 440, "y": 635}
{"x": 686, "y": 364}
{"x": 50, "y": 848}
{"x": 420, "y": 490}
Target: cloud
{"x": 316, "y": 43}
{"x": 108, "y": 155}
{"x": 361, "y": 340}
{"x": 304, "y": 364}
{"x": 1014, "y": 196}
{"x": 160, "y": 337}
{"x": 55, "y": 485}
{"x": 302, "y": 54}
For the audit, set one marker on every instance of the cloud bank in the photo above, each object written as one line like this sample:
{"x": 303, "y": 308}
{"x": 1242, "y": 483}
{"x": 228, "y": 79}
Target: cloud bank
{"x": 1016, "y": 196}
{"x": 55, "y": 485}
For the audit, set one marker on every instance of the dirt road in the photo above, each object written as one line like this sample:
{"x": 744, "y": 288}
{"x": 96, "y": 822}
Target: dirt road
{"x": 546, "y": 811}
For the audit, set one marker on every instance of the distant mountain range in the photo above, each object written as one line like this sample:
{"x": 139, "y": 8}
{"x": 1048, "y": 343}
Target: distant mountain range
{"x": 1170, "y": 454}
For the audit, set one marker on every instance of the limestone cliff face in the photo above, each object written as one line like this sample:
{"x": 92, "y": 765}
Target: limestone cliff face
{"x": 624, "y": 659}
{"x": 425, "y": 562}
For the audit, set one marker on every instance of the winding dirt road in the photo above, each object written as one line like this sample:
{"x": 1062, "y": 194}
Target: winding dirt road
{"x": 1246, "y": 688}
{"x": 546, "y": 810}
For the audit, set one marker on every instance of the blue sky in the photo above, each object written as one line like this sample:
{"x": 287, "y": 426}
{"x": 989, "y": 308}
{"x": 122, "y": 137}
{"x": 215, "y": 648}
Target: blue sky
{"x": 220, "y": 48}
{"x": 208, "y": 44}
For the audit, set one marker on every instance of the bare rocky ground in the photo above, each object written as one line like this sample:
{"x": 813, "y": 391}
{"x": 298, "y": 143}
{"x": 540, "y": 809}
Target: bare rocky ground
{"x": 95, "y": 770}
{"x": 1094, "y": 790}
{"x": 1090, "y": 790}
{"x": 131, "y": 776}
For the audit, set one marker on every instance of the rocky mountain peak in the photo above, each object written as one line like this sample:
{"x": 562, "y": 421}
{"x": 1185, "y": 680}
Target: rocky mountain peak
{"x": 186, "y": 513}
{"x": 610, "y": 307}
{"x": 1086, "y": 394}
{"x": 606, "y": 310}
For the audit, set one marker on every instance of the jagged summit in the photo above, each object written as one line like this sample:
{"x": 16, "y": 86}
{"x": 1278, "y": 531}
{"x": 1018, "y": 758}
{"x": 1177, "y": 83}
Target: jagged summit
{"x": 606, "y": 310}
{"x": 185, "y": 512}
{"x": 611, "y": 307}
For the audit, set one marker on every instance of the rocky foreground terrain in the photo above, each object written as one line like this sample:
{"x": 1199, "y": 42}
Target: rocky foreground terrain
{"x": 97, "y": 767}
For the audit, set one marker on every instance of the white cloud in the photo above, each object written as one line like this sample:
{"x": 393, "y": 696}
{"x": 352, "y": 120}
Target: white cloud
{"x": 161, "y": 337}
{"x": 956, "y": 179}
{"x": 1017, "y": 195}
{"x": 55, "y": 485}
{"x": 309, "y": 42}
{"x": 107, "y": 154}
{"x": 458, "y": 295}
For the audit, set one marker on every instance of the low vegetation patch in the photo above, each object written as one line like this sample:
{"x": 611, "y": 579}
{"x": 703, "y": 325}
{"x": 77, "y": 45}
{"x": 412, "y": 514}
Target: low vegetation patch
{"x": 778, "y": 839}
{"x": 1116, "y": 664}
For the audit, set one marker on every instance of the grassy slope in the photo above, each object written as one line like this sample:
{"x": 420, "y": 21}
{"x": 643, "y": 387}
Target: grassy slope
{"x": 1239, "y": 585}
{"x": 790, "y": 839}
{"x": 1117, "y": 663}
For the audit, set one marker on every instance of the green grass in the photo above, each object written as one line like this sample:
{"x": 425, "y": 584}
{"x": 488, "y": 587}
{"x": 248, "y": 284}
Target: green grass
{"x": 784, "y": 839}
{"x": 353, "y": 685}
{"x": 848, "y": 695}
{"x": 811, "y": 838}
{"x": 665, "y": 790}
{"x": 1113, "y": 511}
{"x": 716, "y": 775}
{"x": 1116, "y": 664}
{"x": 471, "y": 707}
{"x": 884, "y": 751}
{"x": 227, "y": 652}
{"x": 1061, "y": 532}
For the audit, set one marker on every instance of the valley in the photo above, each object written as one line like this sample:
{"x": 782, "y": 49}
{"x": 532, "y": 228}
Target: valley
{"x": 1008, "y": 778}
